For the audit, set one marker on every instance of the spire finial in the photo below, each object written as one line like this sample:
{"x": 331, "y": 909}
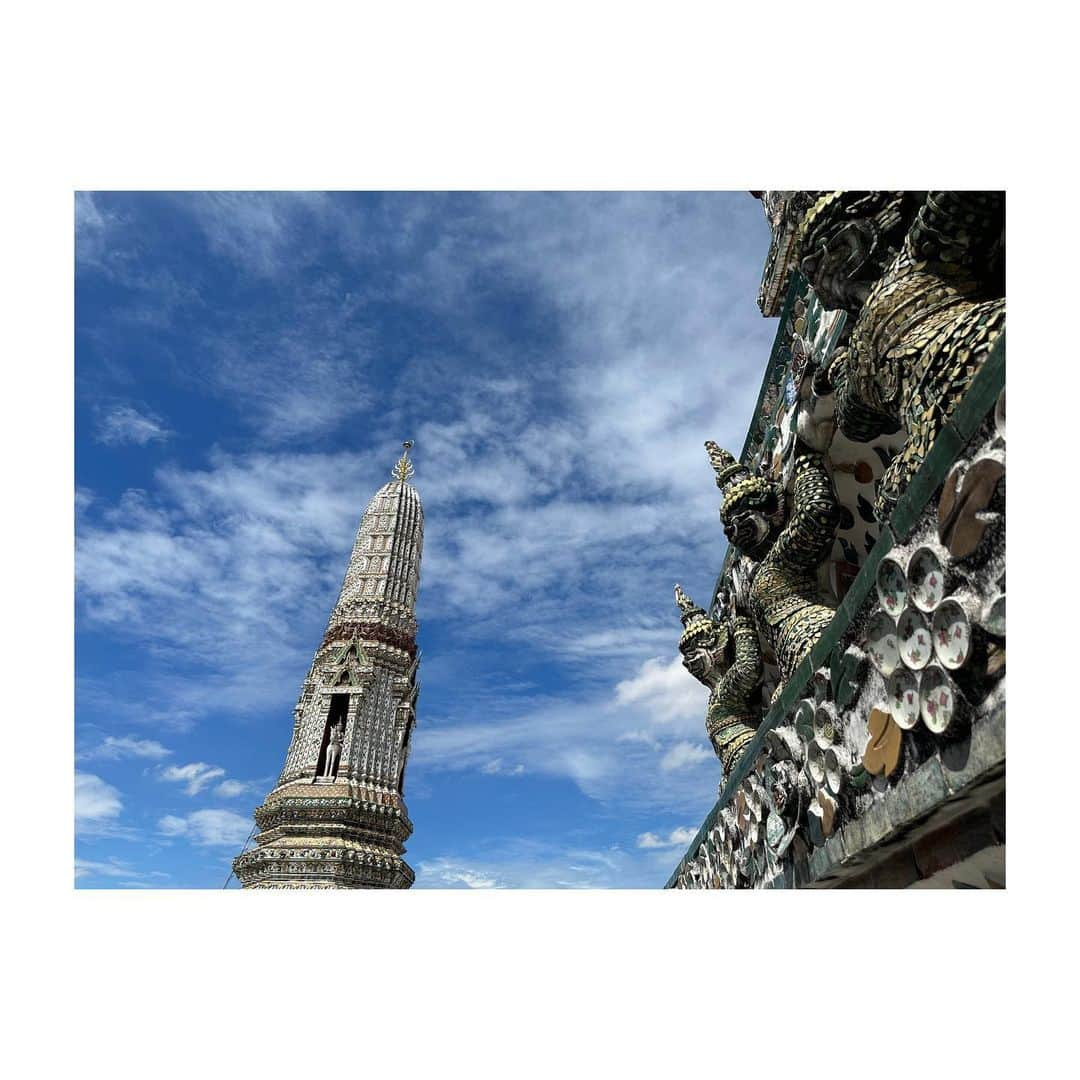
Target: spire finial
{"x": 686, "y": 605}
{"x": 403, "y": 470}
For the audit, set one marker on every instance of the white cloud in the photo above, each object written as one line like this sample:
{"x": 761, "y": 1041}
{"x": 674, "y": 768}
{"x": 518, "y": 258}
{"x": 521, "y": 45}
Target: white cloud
{"x": 95, "y": 799}
{"x": 194, "y": 776}
{"x": 677, "y": 838}
{"x": 616, "y": 743}
{"x": 124, "y": 424}
{"x": 445, "y": 873}
{"x": 683, "y": 754}
{"x": 117, "y": 868}
{"x": 208, "y": 828}
{"x": 115, "y": 747}
{"x": 229, "y": 789}
{"x": 519, "y": 863}
{"x": 665, "y": 689}
{"x": 495, "y": 767}
{"x": 565, "y": 508}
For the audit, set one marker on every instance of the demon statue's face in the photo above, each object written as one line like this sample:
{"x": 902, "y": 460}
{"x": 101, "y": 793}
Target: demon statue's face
{"x": 848, "y": 239}
{"x": 704, "y": 649}
{"x": 753, "y": 519}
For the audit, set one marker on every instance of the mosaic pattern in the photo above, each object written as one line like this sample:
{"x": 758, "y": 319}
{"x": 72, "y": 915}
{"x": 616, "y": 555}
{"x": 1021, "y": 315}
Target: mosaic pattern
{"x": 927, "y": 323}
{"x": 896, "y": 304}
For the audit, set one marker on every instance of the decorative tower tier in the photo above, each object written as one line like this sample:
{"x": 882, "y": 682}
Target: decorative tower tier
{"x": 337, "y": 818}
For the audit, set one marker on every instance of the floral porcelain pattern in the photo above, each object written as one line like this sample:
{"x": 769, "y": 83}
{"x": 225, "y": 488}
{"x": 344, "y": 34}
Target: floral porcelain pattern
{"x": 902, "y": 688}
{"x": 882, "y": 643}
{"x": 913, "y": 638}
{"x": 952, "y": 635}
{"x": 937, "y": 701}
{"x": 891, "y": 587}
{"x": 926, "y": 580}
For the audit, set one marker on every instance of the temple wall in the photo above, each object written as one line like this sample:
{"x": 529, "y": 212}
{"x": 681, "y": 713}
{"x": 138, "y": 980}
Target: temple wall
{"x": 880, "y": 761}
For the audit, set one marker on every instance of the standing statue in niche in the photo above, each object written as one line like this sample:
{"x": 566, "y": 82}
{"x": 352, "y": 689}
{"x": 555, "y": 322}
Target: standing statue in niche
{"x": 726, "y": 657}
{"x": 926, "y": 311}
{"x": 788, "y": 543}
{"x": 333, "y": 750}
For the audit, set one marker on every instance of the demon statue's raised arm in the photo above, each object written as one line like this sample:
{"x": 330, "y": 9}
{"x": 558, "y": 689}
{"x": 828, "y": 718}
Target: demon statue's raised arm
{"x": 726, "y": 657}
{"x": 788, "y": 543}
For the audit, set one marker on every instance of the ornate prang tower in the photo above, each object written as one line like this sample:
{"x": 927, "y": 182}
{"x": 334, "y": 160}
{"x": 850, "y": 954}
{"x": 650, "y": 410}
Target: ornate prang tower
{"x": 337, "y": 819}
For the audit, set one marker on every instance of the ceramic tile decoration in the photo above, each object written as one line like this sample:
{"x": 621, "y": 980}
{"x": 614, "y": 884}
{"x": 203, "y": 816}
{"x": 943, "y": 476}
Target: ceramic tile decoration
{"x": 902, "y": 690}
{"x": 926, "y": 580}
{"x": 774, "y": 830}
{"x": 848, "y": 720}
{"x": 884, "y": 746}
{"x": 913, "y": 638}
{"x": 952, "y": 635}
{"x": 824, "y": 727}
{"x": 804, "y": 719}
{"x": 882, "y": 643}
{"x": 892, "y": 586}
{"x": 835, "y": 766}
{"x": 937, "y": 700}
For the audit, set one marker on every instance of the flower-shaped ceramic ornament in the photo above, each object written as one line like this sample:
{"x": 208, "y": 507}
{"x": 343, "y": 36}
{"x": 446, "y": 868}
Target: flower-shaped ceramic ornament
{"x": 902, "y": 692}
{"x": 882, "y": 643}
{"x": 952, "y": 635}
{"x": 913, "y": 639}
{"x": 937, "y": 700}
{"x": 926, "y": 580}
{"x": 892, "y": 587}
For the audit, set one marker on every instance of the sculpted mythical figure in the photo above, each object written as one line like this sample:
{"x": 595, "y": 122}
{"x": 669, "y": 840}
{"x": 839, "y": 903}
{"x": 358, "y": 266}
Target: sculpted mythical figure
{"x": 921, "y": 276}
{"x": 333, "y": 749}
{"x": 726, "y": 657}
{"x": 788, "y": 543}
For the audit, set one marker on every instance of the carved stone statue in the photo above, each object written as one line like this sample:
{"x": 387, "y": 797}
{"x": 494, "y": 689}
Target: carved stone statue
{"x": 926, "y": 310}
{"x": 726, "y": 657}
{"x": 333, "y": 749}
{"x": 788, "y": 543}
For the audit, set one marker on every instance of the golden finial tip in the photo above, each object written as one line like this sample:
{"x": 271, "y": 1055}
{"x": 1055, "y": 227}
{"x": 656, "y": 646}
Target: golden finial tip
{"x": 403, "y": 470}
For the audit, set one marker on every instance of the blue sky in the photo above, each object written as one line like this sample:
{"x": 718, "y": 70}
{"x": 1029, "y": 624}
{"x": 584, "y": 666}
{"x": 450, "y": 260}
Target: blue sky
{"x": 247, "y": 366}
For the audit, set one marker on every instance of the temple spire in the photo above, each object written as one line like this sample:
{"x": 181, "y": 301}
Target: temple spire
{"x": 336, "y": 817}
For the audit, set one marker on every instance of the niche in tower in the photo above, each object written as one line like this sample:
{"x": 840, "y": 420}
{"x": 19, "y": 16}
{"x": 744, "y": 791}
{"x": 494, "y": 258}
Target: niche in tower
{"x": 339, "y": 711}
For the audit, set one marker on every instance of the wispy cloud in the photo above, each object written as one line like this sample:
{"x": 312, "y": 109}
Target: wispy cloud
{"x": 677, "y": 838}
{"x": 122, "y": 425}
{"x": 207, "y": 828}
{"x": 125, "y": 874}
{"x": 496, "y": 767}
{"x": 520, "y": 863}
{"x": 683, "y": 755}
{"x": 446, "y": 873}
{"x": 194, "y": 776}
{"x": 612, "y": 746}
{"x": 113, "y": 748}
{"x": 95, "y": 799}
{"x": 230, "y": 789}
{"x": 559, "y": 360}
